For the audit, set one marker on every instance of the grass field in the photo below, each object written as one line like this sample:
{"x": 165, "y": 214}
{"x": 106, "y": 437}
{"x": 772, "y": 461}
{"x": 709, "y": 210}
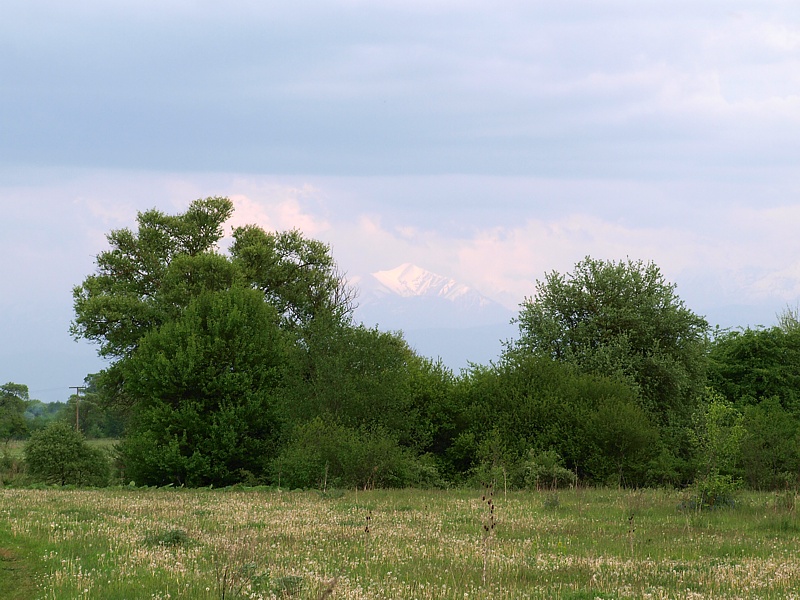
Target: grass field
{"x": 174, "y": 543}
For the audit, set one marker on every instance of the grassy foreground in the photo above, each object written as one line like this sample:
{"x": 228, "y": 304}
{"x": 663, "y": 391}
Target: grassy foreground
{"x": 169, "y": 543}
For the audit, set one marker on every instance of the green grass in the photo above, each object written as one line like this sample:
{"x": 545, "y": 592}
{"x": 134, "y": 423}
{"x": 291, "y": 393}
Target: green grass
{"x": 17, "y": 565}
{"x": 158, "y": 543}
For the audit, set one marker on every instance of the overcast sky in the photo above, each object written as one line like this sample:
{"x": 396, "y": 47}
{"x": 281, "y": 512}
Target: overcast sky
{"x": 487, "y": 141}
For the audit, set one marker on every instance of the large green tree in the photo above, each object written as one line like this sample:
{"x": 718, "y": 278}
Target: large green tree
{"x": 150, "y": 275}
{"x": 621, "y": 319}
{"x": 125, "y": 298}
{"x": 207, "y": 386}
{"x": 199, "y": 338}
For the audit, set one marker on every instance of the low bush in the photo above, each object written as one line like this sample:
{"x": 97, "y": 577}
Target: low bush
{"x": 328, "y": 455}
{"x": 58, "y": 454}
{"x": 546, "y": 470}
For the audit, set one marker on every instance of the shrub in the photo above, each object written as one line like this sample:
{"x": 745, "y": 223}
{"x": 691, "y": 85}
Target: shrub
{"x": 325, "y": 454}
{"x": 712, "y": 493}
{"x": 59, "y": 454}
{"x": 546, "y": 469}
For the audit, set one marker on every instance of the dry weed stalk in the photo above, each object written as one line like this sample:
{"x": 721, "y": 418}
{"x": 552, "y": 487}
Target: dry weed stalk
{"x": 367, "y": 531}
{"x": 488, "y": 525}
{"x": 631, "y": 531}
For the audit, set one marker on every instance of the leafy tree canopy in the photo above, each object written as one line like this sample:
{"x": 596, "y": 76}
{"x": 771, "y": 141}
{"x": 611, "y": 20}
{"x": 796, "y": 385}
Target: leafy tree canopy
{"x": 751, "y": 364}
{"x": 206, "y": 388}
{"x": 621, "y": 319}
{"x": 199, "y": 337}
{"x": 13, "y": 404}
{"x": 149, "y": 276}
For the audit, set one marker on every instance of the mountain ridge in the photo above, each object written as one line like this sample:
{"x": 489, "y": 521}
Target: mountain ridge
{"x": 409, "y": 297}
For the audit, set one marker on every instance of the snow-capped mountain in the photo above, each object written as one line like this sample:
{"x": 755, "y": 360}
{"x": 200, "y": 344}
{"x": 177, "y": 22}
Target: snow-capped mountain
{"x": 409, "y": 280}
{"x": 410, "y": 297}
{"x": 438, "y": 315}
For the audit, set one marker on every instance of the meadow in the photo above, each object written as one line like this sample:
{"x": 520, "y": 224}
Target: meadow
{"x": 128, "y": 543}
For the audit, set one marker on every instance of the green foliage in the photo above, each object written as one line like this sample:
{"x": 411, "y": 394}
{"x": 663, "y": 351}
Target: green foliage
{"x": 58, "y": 454}
{"x": 99, "y": 415}
{"x": 789, "y": 318}
{"x": 205, "y": 386}
{"x": 360, "y": 377}
{"x": 150, "y": 276}
{"x": 771, "y": 446}
{"x": 621, "y": 319}
{"x": 625, "y": 439}
{"x": 495, "y": 461}
{"x": 712, "y": 492}
{"x": 751, "y": 364}
{"x": 297, "y": 276}
{"x": 717, "y": 438}
{"x": 327, "y": 454}
{"x": 367, "y": 381}
{"x": 121, "y": 302}
{"x": 13, "y": 404}
{"x": 246, "y": 366}
{"x": 201, "y": 341}
{"x": 546, "y": 470}
{"x": 527, "y": 401}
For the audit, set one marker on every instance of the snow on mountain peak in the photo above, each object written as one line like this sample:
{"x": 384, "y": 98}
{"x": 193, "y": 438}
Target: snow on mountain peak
{"x": 409, "y": 280}
{"x": 409, "y": 297}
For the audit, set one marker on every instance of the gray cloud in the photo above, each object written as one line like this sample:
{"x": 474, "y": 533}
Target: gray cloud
{"x": 619, "y": 89}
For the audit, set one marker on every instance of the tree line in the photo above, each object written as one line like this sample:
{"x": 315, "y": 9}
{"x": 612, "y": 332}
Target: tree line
{"x": 245, "y": 365}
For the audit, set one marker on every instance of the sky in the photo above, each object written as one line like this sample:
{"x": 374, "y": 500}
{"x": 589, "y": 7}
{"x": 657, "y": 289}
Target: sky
{"x": 491, "y": 142}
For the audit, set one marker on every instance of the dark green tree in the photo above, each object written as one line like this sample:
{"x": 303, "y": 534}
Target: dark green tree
{"x": 124, "y": 299}
{"x": 532, "y": 403}
{"x": 621, "y": 319}
{"x": 771, "y": 446}
{"x": 207, "y": 387}
{"x": 14, "y": 401}
{"x": 297, "y": 276}
{"x": 361, "y": 376}
{"x": 162, "y": 291}
{"x": 59, "y": 454}
{"x": 751, "y": 364}
{"x": 367, "y": 385}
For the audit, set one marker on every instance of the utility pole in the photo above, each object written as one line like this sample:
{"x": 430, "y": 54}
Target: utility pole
{"x": 77, "y": 389}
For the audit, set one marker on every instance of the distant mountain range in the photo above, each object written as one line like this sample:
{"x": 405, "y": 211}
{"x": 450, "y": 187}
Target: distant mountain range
{"x": 439, "y": 316}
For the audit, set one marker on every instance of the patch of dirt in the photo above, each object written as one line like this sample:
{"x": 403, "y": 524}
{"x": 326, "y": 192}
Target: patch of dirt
{"x": 7, "y": 555}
